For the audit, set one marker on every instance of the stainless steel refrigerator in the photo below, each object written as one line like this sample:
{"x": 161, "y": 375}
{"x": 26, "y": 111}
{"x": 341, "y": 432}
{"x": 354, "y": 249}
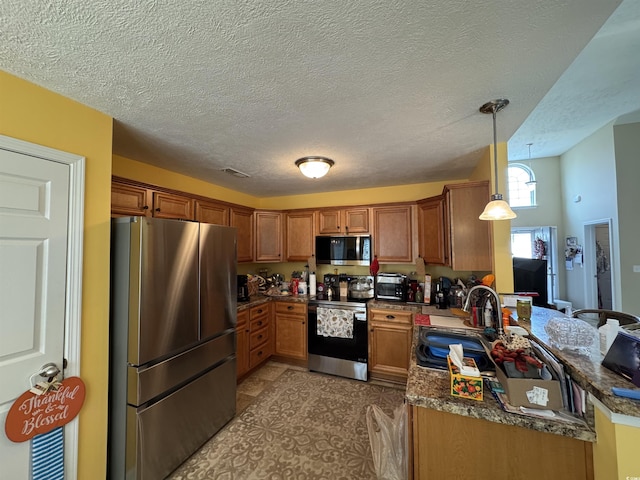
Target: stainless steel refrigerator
{"x": 173, "y": 363}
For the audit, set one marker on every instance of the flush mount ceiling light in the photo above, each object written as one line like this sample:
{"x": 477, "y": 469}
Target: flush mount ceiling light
{"x": 314, "y": 167}
{"x": 497, "y": 208}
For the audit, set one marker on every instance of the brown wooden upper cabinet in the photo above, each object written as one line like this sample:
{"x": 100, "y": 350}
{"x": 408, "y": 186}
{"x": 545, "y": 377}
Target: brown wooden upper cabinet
{"x": 130, "y": 200}
{"x": 332, "y": 221}
{"x": 127, "y": 199}
{"x": 469, "y": 238}
{"x": 299, "y": 235}
{"x": 212, "y": 212}
{"x": 268, "y": 236}
{"x": 431, "y": 231}
{"x": 242, "y": 219}
{"x": 392, "y": 234}
{"x": 170, "y": 205}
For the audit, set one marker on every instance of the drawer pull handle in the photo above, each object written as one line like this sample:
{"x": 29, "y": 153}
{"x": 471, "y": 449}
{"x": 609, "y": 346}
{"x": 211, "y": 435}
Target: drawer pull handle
{"x": 260, "y": 311}
{"x": 290, "y": 307}
{"x": 391, "y": 317}
{"x": 260, "y": 322}
{"x": 260, "y": 353}
{"x": 259, "y": 337}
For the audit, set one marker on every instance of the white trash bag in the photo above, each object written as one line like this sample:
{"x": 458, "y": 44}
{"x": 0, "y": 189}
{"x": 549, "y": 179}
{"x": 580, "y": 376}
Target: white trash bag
{"x": 388, "y": 437}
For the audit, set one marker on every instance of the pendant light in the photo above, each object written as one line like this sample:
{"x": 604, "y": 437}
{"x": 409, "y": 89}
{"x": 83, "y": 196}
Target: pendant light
{"x": 314, "y": 167}
{"x": 531, "y": 183}
{"x": 497, "y": 208}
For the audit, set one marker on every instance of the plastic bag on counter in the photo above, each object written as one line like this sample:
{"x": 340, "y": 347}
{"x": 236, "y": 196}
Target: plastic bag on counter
{"x": 571, "y": 334}
{"x": 388, "y": 438}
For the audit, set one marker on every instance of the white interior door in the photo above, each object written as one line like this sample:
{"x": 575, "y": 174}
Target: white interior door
{"x": 34, "y": 211}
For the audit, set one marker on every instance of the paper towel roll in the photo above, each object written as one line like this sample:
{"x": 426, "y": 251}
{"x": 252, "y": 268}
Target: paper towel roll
{"x": 312, "y": 284}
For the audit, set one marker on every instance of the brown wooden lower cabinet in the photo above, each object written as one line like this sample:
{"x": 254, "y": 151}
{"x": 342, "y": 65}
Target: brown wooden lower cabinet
{"x": 242, "y": 343}
{"x": 390, "y": 336}
{"x": 260, "y": 338}
{"x": 291, "y": 330}
{"x": 454, "y": 447}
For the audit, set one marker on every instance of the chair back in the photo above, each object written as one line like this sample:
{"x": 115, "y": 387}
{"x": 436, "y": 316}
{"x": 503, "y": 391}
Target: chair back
{"x": 623, "y": 318}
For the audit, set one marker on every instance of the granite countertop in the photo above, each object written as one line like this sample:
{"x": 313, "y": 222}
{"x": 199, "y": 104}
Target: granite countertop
{"x": 585, "y": 369}
{"x": 260, "y": 299}
{"x": 430, "y": 388}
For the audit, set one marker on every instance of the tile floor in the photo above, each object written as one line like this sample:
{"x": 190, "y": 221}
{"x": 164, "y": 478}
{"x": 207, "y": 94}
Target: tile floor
{"x": 256, "y": 383}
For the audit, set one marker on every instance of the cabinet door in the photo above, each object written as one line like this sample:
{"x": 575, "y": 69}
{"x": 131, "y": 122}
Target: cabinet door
{"x": 389, "y": 350}
{"x": 390, "y": 338}
{"x": 242, "y": 343}
{"x": 268, "y": 236}
{"x": 212, "y": 212}
{"x": 356, "y": 220}
{"x": 392, "y": 237}
{"x": 343, "y": 221}
{"x": 169, "y": 205}
{"x": 242, "y": 219}
{"x": 431, "y": 231}
{"x": 129, "y": 200}
{"x": 330, "y": 222}
{"x": 299, "y": 234}
{"x": 470, "y": 237}
{"x": 291, "y": 336}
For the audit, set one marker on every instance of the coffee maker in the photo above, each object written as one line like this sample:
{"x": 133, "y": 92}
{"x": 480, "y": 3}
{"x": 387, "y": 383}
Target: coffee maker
{"x": 243, "y": 288}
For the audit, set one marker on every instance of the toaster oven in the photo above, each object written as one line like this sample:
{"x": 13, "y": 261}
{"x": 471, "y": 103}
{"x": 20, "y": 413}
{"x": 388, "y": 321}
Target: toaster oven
{"x": 391, "y": 286}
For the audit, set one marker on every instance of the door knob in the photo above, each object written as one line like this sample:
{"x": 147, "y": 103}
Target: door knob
{"x": 49, "y": 370}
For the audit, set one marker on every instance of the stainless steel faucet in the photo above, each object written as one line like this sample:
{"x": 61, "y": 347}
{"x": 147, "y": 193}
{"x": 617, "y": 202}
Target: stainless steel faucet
{"x": 467, "y": 304}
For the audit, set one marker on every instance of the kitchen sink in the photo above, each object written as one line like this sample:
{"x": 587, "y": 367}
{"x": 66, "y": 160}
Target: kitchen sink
{"x": 433, "y": 345}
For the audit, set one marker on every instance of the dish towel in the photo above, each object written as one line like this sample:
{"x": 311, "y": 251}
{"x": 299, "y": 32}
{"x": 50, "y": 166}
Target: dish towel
{"x": 47, "y": 455}
{"x": 335, "y": 322}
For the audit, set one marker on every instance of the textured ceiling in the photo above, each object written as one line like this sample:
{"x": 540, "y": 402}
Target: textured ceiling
{"x": 389, "y": 89}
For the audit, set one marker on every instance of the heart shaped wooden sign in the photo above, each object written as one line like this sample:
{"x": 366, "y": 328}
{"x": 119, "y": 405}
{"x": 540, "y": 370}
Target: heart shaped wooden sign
{"x": 32, "y": 414}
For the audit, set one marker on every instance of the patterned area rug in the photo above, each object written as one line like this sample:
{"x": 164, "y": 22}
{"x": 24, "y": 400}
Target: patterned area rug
{"x": 305, "y": 426}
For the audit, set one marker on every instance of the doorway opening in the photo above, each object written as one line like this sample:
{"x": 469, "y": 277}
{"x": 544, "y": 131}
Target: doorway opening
{"x": 599, "y": 288}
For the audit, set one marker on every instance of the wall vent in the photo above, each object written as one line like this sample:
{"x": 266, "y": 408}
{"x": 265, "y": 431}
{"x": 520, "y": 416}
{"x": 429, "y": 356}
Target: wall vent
{"x": 235, "y": 173}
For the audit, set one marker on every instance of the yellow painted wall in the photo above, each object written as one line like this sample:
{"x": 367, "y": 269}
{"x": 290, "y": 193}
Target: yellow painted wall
{"x": 502, "y": 263}
{"x": 615, "y": 454}
{"x": 33, "y": 114}
{"x": 143, "y": 172}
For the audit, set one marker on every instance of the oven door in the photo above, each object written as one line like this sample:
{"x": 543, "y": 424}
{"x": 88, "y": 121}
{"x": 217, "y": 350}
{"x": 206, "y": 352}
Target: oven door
{"x": 353, "y": 349}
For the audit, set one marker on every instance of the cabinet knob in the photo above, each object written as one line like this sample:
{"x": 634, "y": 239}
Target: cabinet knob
{"x": 303, "y": 323}
{"x": 290, "y": 307}
{"x": 391, "y": 317}
{"x": 260, "y": 323}
{"x": 260, "y": 353}
{"x": 158, "y": 209}
{"x": 146, "y": 207}
{"x": 259, "y": 337}
{"x": 372, "y": 330}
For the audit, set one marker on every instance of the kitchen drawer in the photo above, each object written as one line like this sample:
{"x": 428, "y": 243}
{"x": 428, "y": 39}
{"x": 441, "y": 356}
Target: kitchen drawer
{"x": 258, "y": 323}
{"x": 291, "y": 307}
{"x": 258, "y": 337}
{"x": 259, "y": 311}
{"x": 259, "y": 355}
{"x": 393, "y": 316}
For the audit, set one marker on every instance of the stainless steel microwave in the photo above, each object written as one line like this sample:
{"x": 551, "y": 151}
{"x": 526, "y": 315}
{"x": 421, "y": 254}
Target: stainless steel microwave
{"x": 343, "y": 250}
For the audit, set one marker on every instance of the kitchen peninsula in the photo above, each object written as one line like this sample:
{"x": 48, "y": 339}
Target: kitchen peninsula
{"x": 503, "y": 445}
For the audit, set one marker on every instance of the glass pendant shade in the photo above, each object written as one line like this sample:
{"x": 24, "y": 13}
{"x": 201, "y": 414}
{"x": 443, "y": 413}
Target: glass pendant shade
{"x": 497, "y": 209}
{"x": 314, "y": 167}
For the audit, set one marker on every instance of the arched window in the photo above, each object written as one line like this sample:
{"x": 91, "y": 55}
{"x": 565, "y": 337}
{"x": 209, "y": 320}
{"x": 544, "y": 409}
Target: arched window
{"x": 522, "y": 193}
